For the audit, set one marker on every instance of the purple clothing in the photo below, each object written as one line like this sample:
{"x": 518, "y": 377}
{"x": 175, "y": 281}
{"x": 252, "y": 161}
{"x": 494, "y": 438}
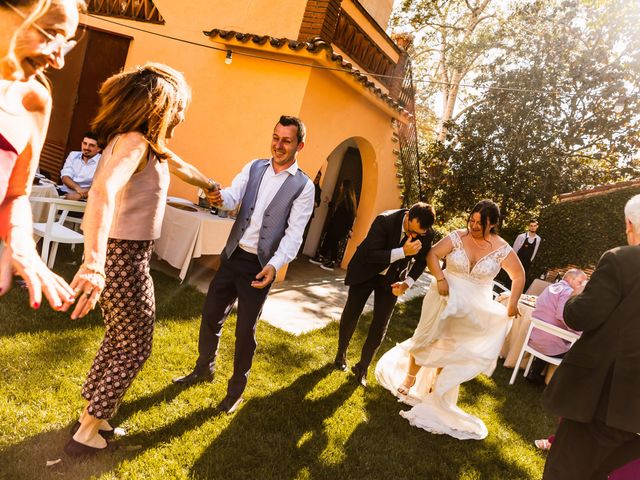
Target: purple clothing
{"x": 549, "y": 309}
{"x": 631, "y": 471}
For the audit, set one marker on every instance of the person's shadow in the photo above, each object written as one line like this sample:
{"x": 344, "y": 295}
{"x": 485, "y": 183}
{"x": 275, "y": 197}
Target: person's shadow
{"x": 269, "y": 451}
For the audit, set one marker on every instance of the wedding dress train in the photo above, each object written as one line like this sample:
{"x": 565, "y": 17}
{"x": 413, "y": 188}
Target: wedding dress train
{"x": 462, "y": 334}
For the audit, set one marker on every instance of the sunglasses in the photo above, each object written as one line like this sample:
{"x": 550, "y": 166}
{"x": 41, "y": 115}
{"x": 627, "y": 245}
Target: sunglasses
{"x": 55, "y": 42}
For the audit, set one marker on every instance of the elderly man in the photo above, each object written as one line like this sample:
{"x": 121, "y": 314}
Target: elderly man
{"x": 549, "y": 309}
{"x": 79, "y": 169}
{"x": 596, "y": 389}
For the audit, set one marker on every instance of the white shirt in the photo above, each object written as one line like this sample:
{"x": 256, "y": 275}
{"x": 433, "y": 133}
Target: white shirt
{"x": 300, "y": 211}
{"x": 78, "y": 170}
{"x": 520, "y": 239}
{"x": 398, "y": 254}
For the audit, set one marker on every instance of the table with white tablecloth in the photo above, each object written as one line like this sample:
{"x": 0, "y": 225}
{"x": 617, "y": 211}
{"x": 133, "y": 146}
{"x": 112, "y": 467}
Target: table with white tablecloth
{"x": 187, "y": 235}
{"x": 515, "y": 339}
{"x": 40, "y": 210}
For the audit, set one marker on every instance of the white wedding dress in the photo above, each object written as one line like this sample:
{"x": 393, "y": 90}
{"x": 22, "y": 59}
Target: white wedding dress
{"x": 462, "y": 334}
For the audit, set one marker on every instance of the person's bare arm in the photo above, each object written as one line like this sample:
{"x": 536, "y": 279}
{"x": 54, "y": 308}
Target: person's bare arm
{"x": 116, "y": 170}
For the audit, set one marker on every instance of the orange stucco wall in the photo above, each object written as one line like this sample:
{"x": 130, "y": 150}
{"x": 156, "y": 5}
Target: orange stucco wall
{"x": 235, "y": 107}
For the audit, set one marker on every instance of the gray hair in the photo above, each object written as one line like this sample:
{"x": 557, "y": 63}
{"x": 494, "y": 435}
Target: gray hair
{"x": 572, "y": 273}
{"x": 632, "y": 213}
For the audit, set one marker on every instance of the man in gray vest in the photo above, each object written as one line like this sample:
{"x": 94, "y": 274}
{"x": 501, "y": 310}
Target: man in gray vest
{"x": 276, "y": 200}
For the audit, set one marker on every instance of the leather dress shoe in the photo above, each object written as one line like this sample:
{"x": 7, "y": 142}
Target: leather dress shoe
{"x": 340, "y": 363}
{"x": 194, "y": 377}
{"x": 361, "y": 375}
{"x": 230, "y": 403}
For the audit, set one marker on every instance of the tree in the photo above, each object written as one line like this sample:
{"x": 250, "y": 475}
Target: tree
{"x": 561, "y": 113}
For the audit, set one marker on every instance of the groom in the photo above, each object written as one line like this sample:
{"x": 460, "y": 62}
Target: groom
{"x": 397, "y": 243}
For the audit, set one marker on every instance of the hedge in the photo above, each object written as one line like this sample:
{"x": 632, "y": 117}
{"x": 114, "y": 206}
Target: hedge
{"x": 578, "y": 232}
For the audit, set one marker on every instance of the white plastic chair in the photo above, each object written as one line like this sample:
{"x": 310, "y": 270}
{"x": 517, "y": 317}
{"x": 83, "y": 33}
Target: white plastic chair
{"x": 501, "y": 289}
{"x": 546, "y": 327}
{"x": 53, "y": 230}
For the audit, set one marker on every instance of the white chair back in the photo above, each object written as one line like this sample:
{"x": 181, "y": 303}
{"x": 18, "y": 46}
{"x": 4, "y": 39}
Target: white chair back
{"x": 546, "y": 327}
{"x": 53, "y": 230}
{"x": 499, "y": 289}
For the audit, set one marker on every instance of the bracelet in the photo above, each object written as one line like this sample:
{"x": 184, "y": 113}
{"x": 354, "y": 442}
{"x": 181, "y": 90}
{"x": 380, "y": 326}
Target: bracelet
{"x": 211, "y": 185}
{"x": 440, "y": 279}
{"x": 94, "y": 269}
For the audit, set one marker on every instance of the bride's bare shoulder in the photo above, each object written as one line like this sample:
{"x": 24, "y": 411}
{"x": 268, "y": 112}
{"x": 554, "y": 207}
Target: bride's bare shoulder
{"x": 499, "y": 241}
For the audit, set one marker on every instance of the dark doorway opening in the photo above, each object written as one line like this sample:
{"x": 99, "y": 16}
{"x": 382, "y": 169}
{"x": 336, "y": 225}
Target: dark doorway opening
{"x": 98, "y": 55}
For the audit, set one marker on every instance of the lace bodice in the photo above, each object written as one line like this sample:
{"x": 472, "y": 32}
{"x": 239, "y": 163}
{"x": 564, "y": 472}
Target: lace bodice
{"x": 485, "y": 269}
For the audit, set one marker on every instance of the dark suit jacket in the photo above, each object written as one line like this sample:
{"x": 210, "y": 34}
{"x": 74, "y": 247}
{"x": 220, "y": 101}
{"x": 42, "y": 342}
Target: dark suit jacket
{"x": 600, "y": 375}
{"x": 374, "y": 253}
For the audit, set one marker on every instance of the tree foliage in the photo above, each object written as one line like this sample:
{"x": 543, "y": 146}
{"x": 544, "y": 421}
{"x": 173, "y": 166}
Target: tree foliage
{"x": 562, "y": 113}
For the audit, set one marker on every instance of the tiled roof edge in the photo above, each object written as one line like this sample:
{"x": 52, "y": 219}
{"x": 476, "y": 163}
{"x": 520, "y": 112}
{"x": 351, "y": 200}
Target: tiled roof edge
{"x": 315, "y": 45}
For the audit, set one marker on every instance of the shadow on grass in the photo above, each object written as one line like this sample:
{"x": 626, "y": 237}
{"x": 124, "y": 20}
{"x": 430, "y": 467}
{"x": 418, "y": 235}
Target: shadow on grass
{"x": 253, "y": 446}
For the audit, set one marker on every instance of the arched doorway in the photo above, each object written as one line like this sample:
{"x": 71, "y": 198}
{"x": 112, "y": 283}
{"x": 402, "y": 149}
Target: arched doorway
{"x": 344, "y": 163}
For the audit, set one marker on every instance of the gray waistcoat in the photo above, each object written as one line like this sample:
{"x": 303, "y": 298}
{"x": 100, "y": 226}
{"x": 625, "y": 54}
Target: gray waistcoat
{"x": 276, "y": 215}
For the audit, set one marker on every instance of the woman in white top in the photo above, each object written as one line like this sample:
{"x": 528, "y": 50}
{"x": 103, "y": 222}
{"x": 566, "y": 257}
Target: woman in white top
{"x": 34, "y": 35}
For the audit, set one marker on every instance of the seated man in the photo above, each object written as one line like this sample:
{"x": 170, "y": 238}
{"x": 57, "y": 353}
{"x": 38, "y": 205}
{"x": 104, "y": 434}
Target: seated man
{"x": 79, "y": 168}
{"x": 549, "y": 308}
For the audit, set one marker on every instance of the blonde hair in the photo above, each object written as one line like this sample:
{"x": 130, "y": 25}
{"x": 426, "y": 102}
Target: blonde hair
{"x": 38, "y": 12}
{"x": 42, "y": 8}
{"x": 147, "y": 99}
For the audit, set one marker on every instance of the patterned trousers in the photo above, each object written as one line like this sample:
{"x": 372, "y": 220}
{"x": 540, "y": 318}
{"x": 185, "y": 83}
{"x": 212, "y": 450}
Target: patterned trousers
{"x": 129, "y": 311}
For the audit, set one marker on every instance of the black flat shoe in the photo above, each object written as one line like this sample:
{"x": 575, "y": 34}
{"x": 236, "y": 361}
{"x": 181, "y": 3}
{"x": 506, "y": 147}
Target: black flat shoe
{"x": 193, "y": 378}
{"x": 106, "y": 434}
{"x": 77, "y": 449}
{"x": 361, "y": 375}
{"x": 340, "y": 364}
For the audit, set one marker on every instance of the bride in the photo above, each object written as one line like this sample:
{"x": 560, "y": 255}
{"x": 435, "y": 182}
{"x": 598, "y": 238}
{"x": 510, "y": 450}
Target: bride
{"x": 461, "y": 328}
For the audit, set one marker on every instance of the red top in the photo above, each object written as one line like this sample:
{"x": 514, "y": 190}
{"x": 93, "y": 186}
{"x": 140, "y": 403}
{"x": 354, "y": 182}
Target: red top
{"x": 8, "y": 156}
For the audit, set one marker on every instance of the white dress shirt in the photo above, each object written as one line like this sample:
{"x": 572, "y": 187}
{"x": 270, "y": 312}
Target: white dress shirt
{"x": 520, "y": 239}
{"x": 78, "y": 170}
{"x": 300, "y": 211}
{"x": 398, "y": 254}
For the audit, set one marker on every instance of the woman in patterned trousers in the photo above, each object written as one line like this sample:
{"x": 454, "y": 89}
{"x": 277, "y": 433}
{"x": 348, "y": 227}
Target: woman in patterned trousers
{"x": 139, "y": 111}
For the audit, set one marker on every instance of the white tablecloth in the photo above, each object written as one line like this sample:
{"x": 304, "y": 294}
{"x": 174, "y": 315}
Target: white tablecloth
{"x": 41, "y": 210}
{"x": 188, "y": 235}
{"x": 515, "y": 340}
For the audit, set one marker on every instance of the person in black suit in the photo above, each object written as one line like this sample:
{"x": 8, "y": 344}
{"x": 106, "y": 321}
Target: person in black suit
{"x": 596, "y": 389}
{"x": 397, "y": 243}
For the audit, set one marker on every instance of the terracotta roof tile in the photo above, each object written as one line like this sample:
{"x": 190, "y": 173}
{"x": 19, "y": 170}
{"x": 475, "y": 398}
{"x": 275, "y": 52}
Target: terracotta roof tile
{"x": 315, "y": 45}
{"x": 600, "y": 190}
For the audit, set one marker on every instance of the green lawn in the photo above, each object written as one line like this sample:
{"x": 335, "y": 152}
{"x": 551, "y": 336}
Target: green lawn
{"x": 301, "y": 419}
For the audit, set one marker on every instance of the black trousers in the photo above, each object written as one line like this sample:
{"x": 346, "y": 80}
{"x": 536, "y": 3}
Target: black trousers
{"x": 232, "y": 282}
{"x": 383, "y": 304}
{"x": 589, "y": 451}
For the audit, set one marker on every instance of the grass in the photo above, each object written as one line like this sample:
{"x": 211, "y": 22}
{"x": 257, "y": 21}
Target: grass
{"x": 300, "y": 420}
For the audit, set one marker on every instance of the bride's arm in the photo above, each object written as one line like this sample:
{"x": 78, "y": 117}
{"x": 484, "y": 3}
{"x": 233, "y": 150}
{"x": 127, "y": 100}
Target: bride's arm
{"x": 514, "y": 268}
{"x": 438, "y": 252}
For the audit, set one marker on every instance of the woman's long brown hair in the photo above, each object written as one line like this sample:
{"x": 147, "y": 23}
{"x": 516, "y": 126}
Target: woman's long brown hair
{"x": 146, "y": 99}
